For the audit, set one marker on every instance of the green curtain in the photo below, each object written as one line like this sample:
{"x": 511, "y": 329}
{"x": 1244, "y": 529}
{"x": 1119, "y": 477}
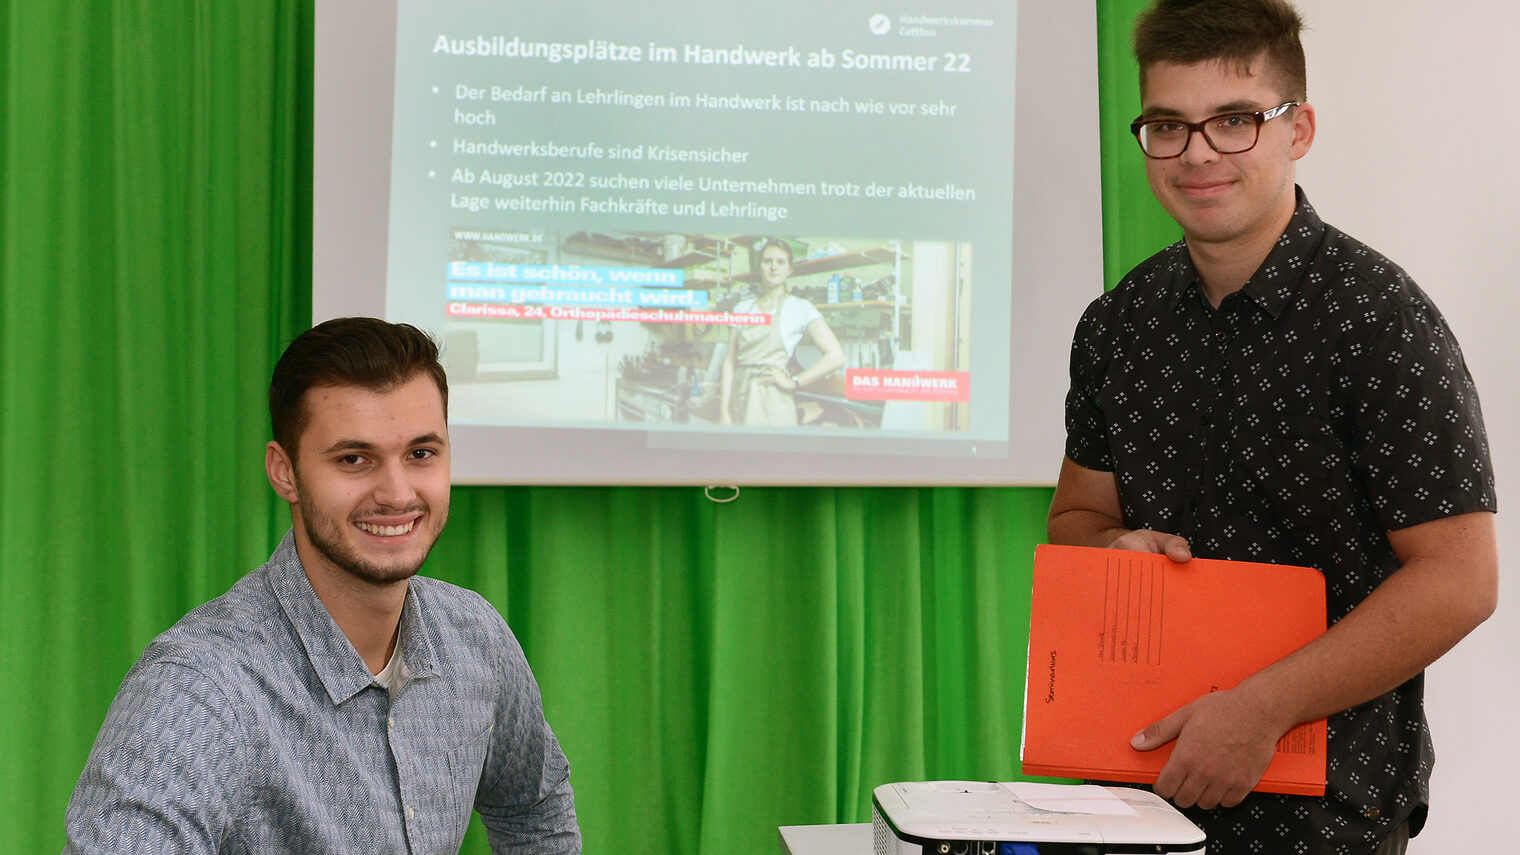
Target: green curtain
{"x": 713, "y": 670}
{"x": 154, "y": 207}
{"x": 1134, "y": 223}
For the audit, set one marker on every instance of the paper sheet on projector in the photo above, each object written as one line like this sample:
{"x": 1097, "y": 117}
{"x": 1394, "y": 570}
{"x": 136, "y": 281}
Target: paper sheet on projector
{"x": 1070, "y": 798}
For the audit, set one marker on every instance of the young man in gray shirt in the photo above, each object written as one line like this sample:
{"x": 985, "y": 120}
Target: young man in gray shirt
{"x": 332, "y": 701}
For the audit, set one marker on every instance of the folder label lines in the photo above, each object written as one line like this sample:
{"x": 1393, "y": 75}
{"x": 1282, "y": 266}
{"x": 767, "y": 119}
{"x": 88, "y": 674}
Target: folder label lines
{"x": 1134, "y": 598}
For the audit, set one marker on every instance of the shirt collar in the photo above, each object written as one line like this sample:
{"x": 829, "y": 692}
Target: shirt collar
{"x": 1282, "y": 272}
{"x": 335, "y": 661}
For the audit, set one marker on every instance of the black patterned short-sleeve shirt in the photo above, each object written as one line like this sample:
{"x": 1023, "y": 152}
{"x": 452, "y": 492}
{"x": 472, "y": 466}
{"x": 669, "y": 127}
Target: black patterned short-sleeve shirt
{"x": 1319, "y": 407}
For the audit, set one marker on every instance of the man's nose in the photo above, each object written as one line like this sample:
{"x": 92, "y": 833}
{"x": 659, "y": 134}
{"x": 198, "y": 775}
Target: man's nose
{"x": 1198, "y": 148}
{"x": 394, "y": 488}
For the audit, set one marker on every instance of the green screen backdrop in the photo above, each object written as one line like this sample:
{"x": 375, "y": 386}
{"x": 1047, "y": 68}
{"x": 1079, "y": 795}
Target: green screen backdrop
{"x": 712, "y": 670}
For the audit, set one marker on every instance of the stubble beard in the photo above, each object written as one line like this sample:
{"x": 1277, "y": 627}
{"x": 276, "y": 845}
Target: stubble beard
{"x": 1199, "y": 227}
{"x": 326, "y": 536}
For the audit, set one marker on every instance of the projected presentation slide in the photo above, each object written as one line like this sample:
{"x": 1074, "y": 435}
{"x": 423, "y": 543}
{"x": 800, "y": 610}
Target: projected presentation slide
{"x": 581, "y": 211}
{"x": 704, "y": 242}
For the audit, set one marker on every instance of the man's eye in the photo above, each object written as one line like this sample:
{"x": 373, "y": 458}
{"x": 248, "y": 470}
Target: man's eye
{"x": 1167, "y": 128}
{"x": 351, "y": 459}
{"x": 1233, "y": 122}
{"x": 423, "y": 453}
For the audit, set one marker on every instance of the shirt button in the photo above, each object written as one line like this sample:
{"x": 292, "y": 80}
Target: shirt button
{"x": 410, "y": 814}
{"x": 390, "y": 721}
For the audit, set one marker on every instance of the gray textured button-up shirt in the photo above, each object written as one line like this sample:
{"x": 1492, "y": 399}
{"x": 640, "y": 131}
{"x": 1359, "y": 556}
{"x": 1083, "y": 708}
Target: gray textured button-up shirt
{"x": 253, "y": 726}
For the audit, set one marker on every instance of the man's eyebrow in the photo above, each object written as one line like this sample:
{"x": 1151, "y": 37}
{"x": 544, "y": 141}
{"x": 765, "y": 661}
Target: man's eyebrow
{"x": 430, "y": 438}
{"x": 1159, "y": 111}
{"x": 350, "y": 445}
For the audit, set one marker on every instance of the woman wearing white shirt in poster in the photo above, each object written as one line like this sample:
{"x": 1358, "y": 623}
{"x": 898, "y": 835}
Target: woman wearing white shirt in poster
{"x": 756, "y": 388}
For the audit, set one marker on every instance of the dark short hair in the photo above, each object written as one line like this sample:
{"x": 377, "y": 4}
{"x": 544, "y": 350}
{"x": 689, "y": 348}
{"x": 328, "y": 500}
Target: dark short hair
{"x": 779, "y": 244}
{"x": 364, "y": 352}
{"x": 1236, "y": 32}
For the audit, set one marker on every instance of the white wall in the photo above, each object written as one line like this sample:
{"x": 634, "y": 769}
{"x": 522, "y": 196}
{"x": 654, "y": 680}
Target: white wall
{"x": 1416, "y": 155}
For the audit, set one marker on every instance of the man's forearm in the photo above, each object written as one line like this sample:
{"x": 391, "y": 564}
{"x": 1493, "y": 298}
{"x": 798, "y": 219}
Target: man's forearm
{"x": 1086, "y": 511}
{"x": 1081, "y": 527}
{"x": 1406, "y": 623}
{"x": 1446, "y": 585}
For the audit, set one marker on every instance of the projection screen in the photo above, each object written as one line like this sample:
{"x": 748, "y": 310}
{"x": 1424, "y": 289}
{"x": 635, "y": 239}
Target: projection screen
{"x": 715, "y": 243}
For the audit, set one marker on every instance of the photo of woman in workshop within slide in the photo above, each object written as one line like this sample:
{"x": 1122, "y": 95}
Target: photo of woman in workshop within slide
{"x": 699, "y": 331}
{"x": 758, "y": 381}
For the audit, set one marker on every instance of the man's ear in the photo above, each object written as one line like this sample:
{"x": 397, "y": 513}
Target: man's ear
{"x": 1303, "y": 129}
{"x": 281, "y": 470}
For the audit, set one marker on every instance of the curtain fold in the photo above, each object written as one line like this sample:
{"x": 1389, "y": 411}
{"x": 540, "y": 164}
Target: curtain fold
{"x": 712, "y": 670}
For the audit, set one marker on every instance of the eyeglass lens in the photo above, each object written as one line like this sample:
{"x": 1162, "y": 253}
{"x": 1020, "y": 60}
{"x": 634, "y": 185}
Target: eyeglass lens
{"x": 1228, "y": 134}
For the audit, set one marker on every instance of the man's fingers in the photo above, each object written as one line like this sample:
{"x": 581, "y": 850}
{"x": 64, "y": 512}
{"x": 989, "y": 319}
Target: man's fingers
{"x": 1177, "y": 550}
{"x": 1234, "y": 797}
{"x": 1211, "y": 796}
{"x": 1188, "y": 794}
{"x": 1214, "y": 764}
{"x": 1191, "y": 784}
{"x": 1220, "y": 793}
{"x": 1158, "y": 733}
{"x": 1158, "y": 542}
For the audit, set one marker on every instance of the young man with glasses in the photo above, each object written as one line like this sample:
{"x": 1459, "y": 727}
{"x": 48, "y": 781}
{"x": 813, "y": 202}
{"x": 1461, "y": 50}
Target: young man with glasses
{"x": 1270, "y": 389}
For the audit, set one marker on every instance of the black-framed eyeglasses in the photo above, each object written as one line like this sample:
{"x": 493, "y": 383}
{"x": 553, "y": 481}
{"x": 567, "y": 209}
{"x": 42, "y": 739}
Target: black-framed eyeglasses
{"x": 1226, "y": 133}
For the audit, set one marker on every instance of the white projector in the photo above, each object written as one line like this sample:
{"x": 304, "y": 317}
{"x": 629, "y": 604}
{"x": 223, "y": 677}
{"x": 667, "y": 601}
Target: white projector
{"x": 975, "y": 818}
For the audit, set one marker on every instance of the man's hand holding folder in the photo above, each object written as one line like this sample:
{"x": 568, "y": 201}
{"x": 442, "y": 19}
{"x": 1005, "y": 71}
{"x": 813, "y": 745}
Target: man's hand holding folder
{"x": 1237, "y": 753}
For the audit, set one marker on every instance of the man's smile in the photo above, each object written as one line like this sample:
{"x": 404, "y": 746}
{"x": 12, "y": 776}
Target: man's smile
{"x": 1204, "y": 189}
{"x": 382, "y": 530}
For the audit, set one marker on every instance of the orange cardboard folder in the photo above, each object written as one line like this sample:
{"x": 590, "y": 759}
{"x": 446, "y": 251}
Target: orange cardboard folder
{"x": 1119, "y": 639}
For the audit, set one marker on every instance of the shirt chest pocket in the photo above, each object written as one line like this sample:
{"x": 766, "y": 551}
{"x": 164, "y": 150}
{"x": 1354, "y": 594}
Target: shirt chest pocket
{"x": 461, "y": 767}
{"x": 1297, "y": 470}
